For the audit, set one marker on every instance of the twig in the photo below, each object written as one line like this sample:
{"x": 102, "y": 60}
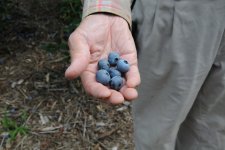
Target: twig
{"x": 52, "y": 90}
{"x": 23, "y": 93}
{"x": 84, "y": 127}
{"x": 74, "y": 88}
{"x": 21, "y": 142}
{"x": 75, "y": 122}
{"x": 108, "y": 133}
{"x": 48, "y": 132}
{"x": 63, "y": 147}
{"x": 59, "y": 59}
{"x": 3, "y": 139}
{"x": 102, "y": 145}
{"x": 32, "y": 113}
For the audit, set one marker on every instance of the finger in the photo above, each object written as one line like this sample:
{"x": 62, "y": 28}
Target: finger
{"x": 133, "y": 77}
{"x": 80, "y": 55}
{"x": 94, "y": 88}
{"x": 129, "y": 93}
{"x": 116, "y": 97}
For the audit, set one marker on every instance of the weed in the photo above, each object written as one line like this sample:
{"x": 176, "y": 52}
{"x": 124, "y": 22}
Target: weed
{"x": 12, "y": 127}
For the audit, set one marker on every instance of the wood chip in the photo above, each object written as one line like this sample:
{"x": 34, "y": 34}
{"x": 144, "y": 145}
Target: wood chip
{"x": 51, "y": 128}
{"x": 122, "y": 108}
{"x": 126, "y": 103}
{"x": 100, "y": 124}
{"x": 47, "y": 77}
{"x": 115, "y": 148}
{"x": 44, "y": 119}
{"x": 20, "y": 81}
{"x": 13, "y": 85}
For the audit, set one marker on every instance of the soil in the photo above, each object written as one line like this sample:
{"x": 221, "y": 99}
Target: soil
{"x": 58, "y": 112}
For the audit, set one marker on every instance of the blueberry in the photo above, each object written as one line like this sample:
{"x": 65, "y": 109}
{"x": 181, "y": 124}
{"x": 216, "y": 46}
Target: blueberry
{"x": 103, "y": 77}
{"x": 103, "y": 64}
{"x": 113, "y": 58}
{"x": 123, "y": 66}
{"x": 116, "y": 82}
{"x": 113, "y": 72}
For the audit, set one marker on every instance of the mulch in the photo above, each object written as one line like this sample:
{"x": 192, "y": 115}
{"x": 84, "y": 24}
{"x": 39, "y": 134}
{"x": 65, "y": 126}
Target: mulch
{"x": 58, "y": 112}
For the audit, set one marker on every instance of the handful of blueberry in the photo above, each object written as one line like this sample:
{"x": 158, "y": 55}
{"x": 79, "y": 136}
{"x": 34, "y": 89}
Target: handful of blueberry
{"x": 110, "y": 72}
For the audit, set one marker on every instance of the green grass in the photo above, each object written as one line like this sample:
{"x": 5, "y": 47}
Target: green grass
{"x": 13, "y": 127}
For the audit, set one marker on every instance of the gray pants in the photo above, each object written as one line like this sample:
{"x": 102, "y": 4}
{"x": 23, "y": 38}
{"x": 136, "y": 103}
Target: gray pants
{"x": 181, "y": 104}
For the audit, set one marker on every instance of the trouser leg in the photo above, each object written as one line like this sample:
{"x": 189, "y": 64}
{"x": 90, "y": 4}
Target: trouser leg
{"x": 177, "y": 49}
{"x": 204, "y": 128}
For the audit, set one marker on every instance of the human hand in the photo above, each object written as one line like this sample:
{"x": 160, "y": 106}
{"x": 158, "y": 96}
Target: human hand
{"x": 93, "y": 40}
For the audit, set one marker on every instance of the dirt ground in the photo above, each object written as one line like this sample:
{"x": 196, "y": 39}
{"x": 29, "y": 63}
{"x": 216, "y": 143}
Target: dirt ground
{"x": 35, "y": 94}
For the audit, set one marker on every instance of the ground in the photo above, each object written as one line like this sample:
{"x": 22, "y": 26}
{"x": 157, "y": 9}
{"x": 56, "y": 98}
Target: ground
{"x": 39, "y": 108}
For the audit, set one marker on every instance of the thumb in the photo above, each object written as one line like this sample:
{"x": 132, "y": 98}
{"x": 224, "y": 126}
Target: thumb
{"x": 80, "y": 55}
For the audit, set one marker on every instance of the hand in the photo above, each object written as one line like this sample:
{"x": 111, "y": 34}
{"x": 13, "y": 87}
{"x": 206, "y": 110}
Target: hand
{"x": 96, "y": 36}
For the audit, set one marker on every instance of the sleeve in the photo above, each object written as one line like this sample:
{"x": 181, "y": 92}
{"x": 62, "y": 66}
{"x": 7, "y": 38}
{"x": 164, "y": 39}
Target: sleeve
{"x": 117, "y": 7}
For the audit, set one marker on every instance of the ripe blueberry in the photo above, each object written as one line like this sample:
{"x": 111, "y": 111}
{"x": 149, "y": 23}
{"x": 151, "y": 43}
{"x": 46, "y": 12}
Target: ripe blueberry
{"x": 113, "y": 72}
{"x": 103, "y": 77}
{"x": 123, "y": 66}
{"x": 116, "y": 82}
{"x": 103, "y": 64}
{"x": 113, "y": 58}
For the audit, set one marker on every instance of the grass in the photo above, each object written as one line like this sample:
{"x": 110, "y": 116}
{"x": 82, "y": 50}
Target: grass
{"x": 12, "y": 127}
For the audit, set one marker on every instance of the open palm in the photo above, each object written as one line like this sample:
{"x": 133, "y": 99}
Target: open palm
{"x": 96, "y": 36}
